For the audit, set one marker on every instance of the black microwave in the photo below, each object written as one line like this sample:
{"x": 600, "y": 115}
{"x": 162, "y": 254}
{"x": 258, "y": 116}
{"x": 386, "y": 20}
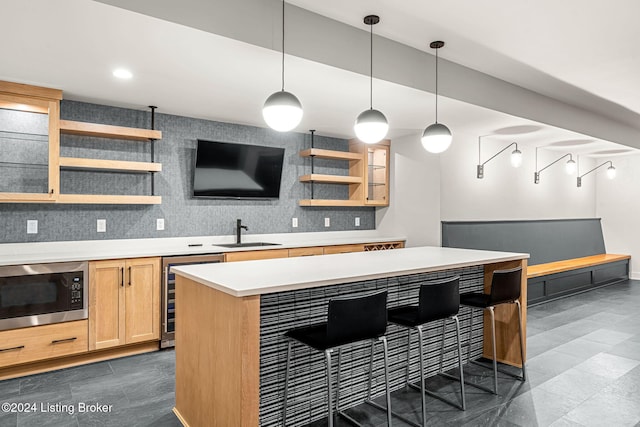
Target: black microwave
{"x": 39, "y": 294}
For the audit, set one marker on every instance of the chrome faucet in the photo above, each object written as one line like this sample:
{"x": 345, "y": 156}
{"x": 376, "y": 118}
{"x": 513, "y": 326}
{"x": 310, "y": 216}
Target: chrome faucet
{"x": 239, "y": 228}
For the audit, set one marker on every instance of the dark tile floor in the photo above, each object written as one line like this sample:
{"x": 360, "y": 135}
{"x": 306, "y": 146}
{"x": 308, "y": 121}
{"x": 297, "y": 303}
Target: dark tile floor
{"x": 583, "y": 369}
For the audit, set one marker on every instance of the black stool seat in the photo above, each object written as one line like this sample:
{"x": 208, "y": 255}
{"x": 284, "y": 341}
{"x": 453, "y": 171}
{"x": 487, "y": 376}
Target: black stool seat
{"x": 476, "y": 299}
{"x": 316, "y": 337}
{"x": 409, "y": 316}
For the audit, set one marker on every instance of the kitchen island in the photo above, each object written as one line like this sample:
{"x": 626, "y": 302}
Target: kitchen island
{"x": 230, "y": 350}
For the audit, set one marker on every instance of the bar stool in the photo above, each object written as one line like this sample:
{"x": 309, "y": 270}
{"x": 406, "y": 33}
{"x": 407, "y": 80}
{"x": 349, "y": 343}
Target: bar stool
{"x": 349, "y": 320}
{"x": 505, "y": 289}
{"x": 437, "y": 300}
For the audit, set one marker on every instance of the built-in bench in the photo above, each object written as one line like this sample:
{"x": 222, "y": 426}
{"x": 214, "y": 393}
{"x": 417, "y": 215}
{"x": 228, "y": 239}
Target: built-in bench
{"x": 566, "y": 256}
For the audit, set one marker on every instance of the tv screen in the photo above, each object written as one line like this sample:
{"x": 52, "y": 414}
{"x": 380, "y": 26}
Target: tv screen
{"x": 237, "y": 171}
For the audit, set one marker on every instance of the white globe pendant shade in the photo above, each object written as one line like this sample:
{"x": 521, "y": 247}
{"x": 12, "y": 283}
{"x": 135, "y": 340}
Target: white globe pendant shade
{"x": 611, "y": 172}
{"x": 436, "y": 138}
{"x": 371, "y": 126}
{"x": 516, "y": 158}
{"x": 282, "y": 111}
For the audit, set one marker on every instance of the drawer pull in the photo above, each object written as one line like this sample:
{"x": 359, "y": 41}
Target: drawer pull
{"x": 20, "y": 347}
{"x": 64, "y": 340}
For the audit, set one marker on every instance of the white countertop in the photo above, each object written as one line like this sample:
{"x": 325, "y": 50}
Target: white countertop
{"x": 87, "y": 250}
{"x": 285, "y": 274}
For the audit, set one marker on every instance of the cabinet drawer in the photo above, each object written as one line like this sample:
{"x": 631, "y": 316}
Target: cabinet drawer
{"x": 343, "y": 249}
{"x": 43, "y": 342}
{"x": 295, "y": 252}
{"x": 255, "y": 255}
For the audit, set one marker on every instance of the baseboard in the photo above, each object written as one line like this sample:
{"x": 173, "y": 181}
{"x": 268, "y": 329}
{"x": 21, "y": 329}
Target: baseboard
{"x": 634, "y": 275}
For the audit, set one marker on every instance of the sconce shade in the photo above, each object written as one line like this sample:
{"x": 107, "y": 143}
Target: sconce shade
{"x": 570, "y": 167}
{"x": 611, "y": 172}
{"x": 516, "y": 158}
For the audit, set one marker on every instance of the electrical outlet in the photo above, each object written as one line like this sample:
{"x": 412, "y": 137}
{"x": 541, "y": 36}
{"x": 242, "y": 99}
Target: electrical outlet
{"x": 327, "y": 222}
{"x": 294, "y": 222}
{"x": 101, "y": 226}
{"x": 160, "y": 224}
{"x": 32, "y": 226}
{"x": 357, "y": 221}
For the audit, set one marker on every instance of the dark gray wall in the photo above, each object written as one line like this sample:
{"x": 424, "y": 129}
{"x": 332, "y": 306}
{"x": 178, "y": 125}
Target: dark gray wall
{"x": 184, "y": 216}
{"x": 545, "y": 240}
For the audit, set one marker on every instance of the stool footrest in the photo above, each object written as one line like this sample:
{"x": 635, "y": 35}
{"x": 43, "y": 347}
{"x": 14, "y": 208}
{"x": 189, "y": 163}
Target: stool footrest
{"x": 466, "y": 381}
{"x": 516, "y": 376}
{"x": 438, "y": 396}
{"x": 383, "y": 408}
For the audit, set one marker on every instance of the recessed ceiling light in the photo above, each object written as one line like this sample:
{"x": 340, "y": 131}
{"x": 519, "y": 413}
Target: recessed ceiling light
{"x": 121, "y": 73}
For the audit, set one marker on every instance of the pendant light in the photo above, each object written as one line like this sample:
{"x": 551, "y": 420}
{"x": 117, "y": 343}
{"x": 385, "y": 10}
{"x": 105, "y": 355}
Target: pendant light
{"x": 437, "y": 137}
{"x": 282, "y": 111}
{"x": 371, "y": 125}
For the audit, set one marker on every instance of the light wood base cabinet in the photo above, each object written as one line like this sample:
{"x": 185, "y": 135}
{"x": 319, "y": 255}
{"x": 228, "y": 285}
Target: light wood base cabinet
{"x": 25, "y": 345}
{"x": 124, "y": 302}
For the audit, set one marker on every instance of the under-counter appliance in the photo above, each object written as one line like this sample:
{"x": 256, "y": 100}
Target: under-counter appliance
{"x": 169, "y": 291}
{"x": 39, "y": 294}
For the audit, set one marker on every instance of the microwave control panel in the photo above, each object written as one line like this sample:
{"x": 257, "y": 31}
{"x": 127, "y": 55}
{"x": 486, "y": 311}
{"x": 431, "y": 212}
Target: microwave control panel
{"x": 76, "y": 291}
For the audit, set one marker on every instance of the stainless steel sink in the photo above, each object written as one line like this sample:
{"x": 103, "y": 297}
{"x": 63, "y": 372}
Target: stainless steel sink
{"x": 247, "y": 244}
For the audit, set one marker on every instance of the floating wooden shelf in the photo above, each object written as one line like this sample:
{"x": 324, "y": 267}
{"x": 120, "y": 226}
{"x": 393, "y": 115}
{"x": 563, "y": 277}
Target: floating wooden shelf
{"x": 107, "y": 131}
{"x": 26, "y": 198}
{"x": 331, "y": 179}
{"x": 111, "y": 165}
{"x": 330, "y": 154}
{"x": 329, "y": 202}
{"x": 109, "y": 199}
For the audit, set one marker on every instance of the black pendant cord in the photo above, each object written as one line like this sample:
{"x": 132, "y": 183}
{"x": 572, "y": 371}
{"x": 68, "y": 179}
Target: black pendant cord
{"x": 153, "y": 155}
{"x": 312, "y": 166}
{"x": 371, "y": 68}
{"x": 436, "y": 85}
{"x": 282, "y": 45}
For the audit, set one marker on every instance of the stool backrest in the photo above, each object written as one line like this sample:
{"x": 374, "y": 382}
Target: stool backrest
{"x": 439, "y": 299}
{"x": 506, "y": 285}
{"x": 352, "y": 319}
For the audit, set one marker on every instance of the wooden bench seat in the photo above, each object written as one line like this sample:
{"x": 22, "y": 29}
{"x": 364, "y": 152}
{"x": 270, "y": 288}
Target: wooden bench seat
{"x": 572, "y": 264}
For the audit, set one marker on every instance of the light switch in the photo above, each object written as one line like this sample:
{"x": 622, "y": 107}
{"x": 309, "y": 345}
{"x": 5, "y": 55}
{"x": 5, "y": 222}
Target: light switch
{"x": 32, "y": 226}
{"x": 357, "y": 221}
{"x": 327, "y": 222}
{"x": 101, "y": 226}
{"x": 294, "y": 222}
{"x": 160, "y": 224}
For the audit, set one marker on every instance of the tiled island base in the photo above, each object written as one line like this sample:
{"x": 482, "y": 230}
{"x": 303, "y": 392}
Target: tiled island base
{"x": 307, "y": 385}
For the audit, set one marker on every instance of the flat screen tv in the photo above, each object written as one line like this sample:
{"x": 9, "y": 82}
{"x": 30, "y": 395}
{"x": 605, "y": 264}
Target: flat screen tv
{"x": 237, "y": 171}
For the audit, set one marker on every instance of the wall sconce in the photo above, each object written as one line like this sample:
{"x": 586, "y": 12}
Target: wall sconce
{"x": 611, "y": 172}
{"x": 516, "y": 157}
{"x": 570, "y": 166}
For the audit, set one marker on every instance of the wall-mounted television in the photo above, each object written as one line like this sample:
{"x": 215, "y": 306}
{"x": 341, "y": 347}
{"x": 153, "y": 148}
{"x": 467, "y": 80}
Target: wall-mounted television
{"x": 237, "y": 171}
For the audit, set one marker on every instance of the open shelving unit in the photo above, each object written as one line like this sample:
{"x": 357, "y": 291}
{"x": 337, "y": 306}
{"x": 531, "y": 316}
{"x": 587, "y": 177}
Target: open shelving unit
{"x": 368, "y": 174}
{"x": 17, "y": 98}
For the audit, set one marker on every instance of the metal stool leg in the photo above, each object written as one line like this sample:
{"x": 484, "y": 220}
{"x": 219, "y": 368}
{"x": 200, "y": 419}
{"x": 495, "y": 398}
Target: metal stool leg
{"x": 286, "y": 384}
{"x": 444, "y": 332}
{"x": 408, "y": 353}
{"x": 386, "y": 378}
{"x": 464, "y": 405}
{"x": 338, "y": 380}
{"x": 493, "y": 343}
{"x": 370, "y": 370}
{"x": 422, "y": 391}
{"x": 524, "y": 375}
{"x": 327, "y": 354}
{"x": 470, "y": 335}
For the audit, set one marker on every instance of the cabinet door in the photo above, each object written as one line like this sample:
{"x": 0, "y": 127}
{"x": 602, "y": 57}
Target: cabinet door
{"x": 142, "y": 300}
{"x": 376, "y": 175}
{"x": 254, "y": 255}
{"x": 106, "y": 304}
{"x": 343, "y": 249}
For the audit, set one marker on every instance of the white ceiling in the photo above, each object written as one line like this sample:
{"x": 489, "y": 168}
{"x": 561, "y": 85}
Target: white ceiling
{"x": 186, "y": 71}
